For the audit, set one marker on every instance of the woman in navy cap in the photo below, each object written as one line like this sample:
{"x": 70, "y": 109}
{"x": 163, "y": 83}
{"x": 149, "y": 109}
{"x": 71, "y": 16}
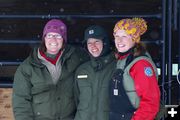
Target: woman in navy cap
{"x": 92, "y": 78}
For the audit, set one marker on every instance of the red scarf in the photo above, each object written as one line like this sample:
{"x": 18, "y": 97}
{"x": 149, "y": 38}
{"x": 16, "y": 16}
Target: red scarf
{"x": 53, "y": 61}
{"x": 120, "y": 57}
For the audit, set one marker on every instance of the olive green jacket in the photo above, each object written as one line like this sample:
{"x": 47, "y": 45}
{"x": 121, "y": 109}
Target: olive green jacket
{"x": 92, "y": 87}
{"x": 36, "y": 97}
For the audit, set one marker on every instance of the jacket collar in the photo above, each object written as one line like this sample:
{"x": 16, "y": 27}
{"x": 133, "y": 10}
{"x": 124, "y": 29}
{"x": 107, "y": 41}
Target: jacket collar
{"x": 100, "y": 62}
{"x": 36, "y": 61}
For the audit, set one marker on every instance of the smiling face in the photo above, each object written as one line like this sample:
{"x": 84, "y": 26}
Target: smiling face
{"x": 123, "y": 41}
{"x": 53, "y": 42}
{"x": 95, "y": 46}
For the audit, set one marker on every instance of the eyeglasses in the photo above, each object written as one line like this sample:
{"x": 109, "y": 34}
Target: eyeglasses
{"x": 50, "y": 36}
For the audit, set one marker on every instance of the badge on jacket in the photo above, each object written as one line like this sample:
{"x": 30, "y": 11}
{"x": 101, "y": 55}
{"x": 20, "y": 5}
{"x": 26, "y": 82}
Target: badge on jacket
{"x": 115, "y": 92}
{"x": 82, "y": 76}
{"x": 148, "y": 71}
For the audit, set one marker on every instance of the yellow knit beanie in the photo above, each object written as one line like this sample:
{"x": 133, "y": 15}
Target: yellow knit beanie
{"x": 135, "y": 27}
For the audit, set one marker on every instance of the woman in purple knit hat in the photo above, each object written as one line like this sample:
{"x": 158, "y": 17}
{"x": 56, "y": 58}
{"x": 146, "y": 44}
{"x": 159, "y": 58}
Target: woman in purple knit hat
{"x": 43, "y": 83}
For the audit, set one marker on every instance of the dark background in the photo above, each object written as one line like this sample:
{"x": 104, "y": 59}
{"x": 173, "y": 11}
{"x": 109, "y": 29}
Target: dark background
{"x": 77, "y": 14}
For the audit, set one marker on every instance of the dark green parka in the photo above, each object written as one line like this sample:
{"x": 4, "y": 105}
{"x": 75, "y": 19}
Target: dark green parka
{"x": 92, "y": 79}
{"x": 92, "y": 87}
{"x": 36, "y": 97}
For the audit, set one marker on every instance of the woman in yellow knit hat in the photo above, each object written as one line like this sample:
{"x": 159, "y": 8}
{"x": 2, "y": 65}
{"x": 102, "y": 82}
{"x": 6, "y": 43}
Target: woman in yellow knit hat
{"x": 134, "y": 91}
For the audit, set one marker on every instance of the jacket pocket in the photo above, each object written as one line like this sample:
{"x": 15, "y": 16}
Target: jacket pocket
{"x": 41, "y": 101}
{"x": 85, "y": 94}
{"x": 84, "y": 97}
{"x": 40, "y": 93}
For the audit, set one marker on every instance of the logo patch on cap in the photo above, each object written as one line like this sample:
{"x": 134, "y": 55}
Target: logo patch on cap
{"x": 91, "y": 32}
{"x": 148, "y": 71}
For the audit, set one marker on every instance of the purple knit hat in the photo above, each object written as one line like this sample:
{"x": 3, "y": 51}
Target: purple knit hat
{"x": 56, "y": 26}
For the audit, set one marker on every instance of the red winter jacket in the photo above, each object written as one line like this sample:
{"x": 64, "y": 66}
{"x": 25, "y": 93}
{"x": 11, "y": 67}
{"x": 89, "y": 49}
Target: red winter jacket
{"x": 146, "y": 85}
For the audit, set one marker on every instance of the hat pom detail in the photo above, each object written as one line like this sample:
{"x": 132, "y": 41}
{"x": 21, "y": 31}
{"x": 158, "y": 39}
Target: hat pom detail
{"x": 141, "y": 24}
